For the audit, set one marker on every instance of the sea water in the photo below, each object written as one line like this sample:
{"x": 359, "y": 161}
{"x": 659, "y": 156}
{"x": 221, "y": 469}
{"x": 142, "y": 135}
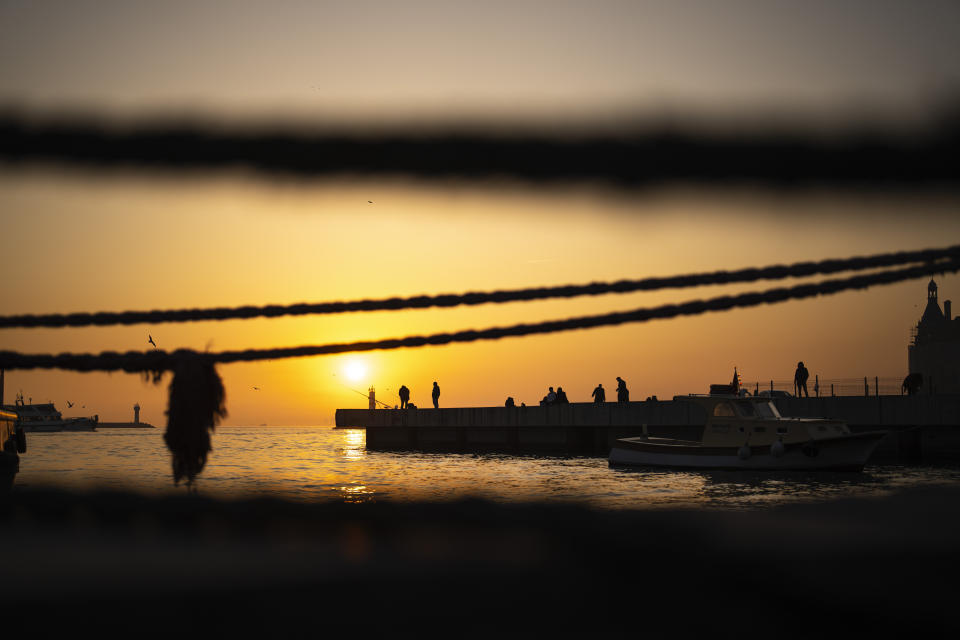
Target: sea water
{"x": 323, "y": 464}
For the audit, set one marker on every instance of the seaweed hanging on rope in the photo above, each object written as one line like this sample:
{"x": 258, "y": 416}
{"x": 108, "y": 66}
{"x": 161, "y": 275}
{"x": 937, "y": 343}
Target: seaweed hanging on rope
{"x": 195, "y": 407}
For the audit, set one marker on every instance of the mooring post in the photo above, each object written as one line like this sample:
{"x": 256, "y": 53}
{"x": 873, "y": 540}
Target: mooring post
{"x": 816, "y": 385}
{"x": 876, "y": 386}
{"x": 866, "y": 387}
{"x": 832, "y": 394}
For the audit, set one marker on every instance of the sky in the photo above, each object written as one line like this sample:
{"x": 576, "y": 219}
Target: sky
{"x": 88, "y": 241}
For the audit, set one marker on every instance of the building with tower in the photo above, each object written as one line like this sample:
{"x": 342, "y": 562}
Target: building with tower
{"x": 935, "y": 349}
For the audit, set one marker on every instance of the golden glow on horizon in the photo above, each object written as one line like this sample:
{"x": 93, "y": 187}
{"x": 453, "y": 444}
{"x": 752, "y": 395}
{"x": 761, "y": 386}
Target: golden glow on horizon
{"x": 226, "y": 241}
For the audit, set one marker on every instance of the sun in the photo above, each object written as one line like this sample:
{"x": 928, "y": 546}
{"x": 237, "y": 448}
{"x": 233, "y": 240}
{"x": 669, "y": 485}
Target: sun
{"x": 355, "y": 370}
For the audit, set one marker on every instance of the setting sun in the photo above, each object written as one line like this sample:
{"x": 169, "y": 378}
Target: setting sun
{"x": 355, "y": 370}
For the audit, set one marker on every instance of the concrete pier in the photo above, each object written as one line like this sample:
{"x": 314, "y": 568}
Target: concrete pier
{"x": 923, "y": 428}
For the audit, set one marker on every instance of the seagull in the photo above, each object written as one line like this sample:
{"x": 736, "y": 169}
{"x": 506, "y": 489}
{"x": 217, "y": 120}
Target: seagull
{"x": 150, "y": 340}
{"x": 69, "y": 404}
{"x": 370, "y": 201}
{"x": 256, "y": 388}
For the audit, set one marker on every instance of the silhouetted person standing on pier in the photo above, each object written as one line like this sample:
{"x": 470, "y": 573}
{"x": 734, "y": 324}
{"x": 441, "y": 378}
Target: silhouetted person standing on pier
{"x": 911, "y": 384}
{"x": 599, "y": 395}
{"x": 436, "y": 395}
{"x": 623, "y": 394}
{"x": 800, "y": 380}
{"x": 404, "y": 396}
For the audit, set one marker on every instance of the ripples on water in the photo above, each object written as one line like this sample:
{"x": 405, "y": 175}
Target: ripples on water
{"x": 321, "y": 463}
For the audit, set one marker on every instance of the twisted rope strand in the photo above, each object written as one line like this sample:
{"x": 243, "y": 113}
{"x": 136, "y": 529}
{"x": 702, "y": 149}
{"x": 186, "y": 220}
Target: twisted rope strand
{"x": 156, "y": 361}
{"x": 773, "y": 272}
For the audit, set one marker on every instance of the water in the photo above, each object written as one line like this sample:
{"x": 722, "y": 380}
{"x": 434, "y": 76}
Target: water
{"x": 321, "y": 463}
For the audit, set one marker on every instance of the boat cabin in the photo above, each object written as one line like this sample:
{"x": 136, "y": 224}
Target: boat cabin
{"x": 735, "y": 420}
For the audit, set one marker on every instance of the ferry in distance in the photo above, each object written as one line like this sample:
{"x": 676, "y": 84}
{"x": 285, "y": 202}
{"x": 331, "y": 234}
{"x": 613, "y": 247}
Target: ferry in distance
{"x": 46, "y": 417}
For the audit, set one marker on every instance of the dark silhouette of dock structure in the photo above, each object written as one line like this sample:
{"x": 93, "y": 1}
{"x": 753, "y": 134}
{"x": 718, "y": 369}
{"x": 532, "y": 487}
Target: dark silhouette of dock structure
{"x": 922, "y": 427}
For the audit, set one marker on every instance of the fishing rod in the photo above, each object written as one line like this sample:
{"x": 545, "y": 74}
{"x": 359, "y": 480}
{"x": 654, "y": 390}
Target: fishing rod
{"x": 385, "y": 405}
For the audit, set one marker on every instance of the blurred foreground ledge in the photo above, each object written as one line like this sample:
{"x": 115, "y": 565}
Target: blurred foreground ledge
{"x": 125, "y": 562}
{"x": 633, "y": 155}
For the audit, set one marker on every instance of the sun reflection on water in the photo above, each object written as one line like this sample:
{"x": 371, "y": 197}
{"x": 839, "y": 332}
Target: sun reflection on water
{"x": 356, "y": 494}
{"x": 322, "y": 463}
{"x": 354, "y": 444}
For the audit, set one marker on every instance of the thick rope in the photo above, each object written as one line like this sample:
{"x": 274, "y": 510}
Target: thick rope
{"x": 773, "y": 272}
{"x": 635, "y": 158}
{"x": 157, "y": 361}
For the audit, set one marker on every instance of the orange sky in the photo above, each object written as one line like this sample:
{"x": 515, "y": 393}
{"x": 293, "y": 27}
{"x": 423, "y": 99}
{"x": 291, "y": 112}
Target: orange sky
{"x": 94, "y": 242}
{"x": 76, "y": 241}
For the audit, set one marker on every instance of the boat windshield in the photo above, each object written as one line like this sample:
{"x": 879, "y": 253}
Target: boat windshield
{"x": 766, "y": 410}
{"x": 746, "y": 408}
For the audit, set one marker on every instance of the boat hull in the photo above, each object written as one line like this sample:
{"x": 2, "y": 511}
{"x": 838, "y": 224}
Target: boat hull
{"x": 845, "y": 453}
{"x": 67, "y": 424}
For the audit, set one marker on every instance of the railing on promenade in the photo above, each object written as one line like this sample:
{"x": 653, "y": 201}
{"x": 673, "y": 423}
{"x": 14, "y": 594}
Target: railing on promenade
{"x": 819, "y": 386}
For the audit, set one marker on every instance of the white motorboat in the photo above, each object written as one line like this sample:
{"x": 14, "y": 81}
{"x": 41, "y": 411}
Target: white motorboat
{"x": 46, "y": 417}
{"x": 749, "y": 433}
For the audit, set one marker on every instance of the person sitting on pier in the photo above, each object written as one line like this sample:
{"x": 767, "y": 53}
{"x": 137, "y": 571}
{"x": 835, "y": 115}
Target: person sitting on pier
{"x": 404, "y": 396}
{"x": 510, "y": 404}
{"x": 562, "y": 396}
{"x": 436, "y": 395}
{"x": 800, "y": 380}
{"x": 550, "y": 398}
{"x": 623, "y": 394}
{"x": 599, "y": 395}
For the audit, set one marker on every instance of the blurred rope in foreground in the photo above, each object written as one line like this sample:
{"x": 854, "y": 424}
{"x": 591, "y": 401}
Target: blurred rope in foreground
{"x": 634, "y": 157}
{"x": 775, "y": 272}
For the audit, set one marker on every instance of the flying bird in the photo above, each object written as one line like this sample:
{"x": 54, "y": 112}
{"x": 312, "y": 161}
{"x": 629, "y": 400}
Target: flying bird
{"x": 69, "y": 404}
{"x": 150, "y": 340}
{"x": 370, "y": 201}
{"x": 256, "y": 388}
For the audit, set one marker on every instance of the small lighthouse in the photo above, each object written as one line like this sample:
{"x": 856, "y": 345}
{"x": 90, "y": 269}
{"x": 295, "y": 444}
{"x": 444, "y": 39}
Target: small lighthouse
{"x": 136, "y": 413}
{"x": 373, "y": 398}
